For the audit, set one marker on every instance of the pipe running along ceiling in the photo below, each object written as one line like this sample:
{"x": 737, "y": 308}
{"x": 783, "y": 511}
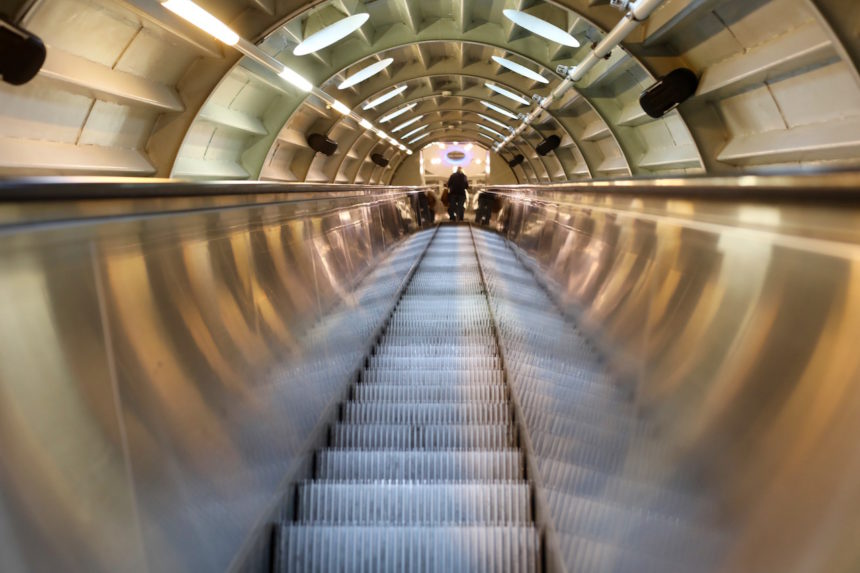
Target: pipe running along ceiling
{"x": 130, "y": 88}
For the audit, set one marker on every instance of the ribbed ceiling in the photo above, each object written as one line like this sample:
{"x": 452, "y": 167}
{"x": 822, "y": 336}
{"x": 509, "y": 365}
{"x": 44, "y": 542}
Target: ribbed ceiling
{"x": 130, "y": 89}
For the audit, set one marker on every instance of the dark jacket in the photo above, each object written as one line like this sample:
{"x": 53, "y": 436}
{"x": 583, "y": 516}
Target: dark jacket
{"x": 457, "y": 183}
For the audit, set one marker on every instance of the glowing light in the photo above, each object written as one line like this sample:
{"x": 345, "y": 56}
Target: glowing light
{"x": 385, "y": 97}
{"x": 295, "y": 79}
{"x": 541, "y": 27}
{"x": 407, "y": 123}
{"x": 491, "y": 120}
{"x": 500, "y": 110}
{"x": 435, "y": 161}
{"x": 397, "y": 113}
{"x": 340, "y": 106}
{"x": 419, "y": 138}
{"x": 365, "y": 124}
{"x": 508, "y": 94}
{"x": 491, "y": 130}
{"x": 196, "y": 15}
{"x": 416, "y": 130}
{"x": 331, "y": 34}
{"x": 490, "y": 137}
{"x": 408, "y": 152}
{"x": 365, "y": 73}
{"x": 520, "y": 69}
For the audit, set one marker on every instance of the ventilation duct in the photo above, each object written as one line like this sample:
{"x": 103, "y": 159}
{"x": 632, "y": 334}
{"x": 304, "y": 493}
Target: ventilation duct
{"x": 322, "y": 144}
{"x": 669, "y": 92}
{"x": 548, "y": 144}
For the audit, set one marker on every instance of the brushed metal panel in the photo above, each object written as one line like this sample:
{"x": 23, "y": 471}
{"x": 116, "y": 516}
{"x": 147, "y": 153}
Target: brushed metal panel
{"x": 163, "y": 373}
{"x": 63, "y": 469}
{"x": 735, "y": 322}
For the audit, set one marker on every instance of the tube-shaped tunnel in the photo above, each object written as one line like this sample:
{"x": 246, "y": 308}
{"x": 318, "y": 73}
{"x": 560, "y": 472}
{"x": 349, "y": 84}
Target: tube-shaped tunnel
{"x": 238, "y": 331}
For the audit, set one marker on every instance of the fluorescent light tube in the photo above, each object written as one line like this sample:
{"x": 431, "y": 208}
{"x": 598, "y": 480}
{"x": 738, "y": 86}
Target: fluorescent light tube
{"x": 331, "y": 34}
{"x": 202, "y": 19}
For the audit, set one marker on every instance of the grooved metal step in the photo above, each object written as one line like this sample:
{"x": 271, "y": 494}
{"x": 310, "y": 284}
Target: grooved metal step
{"x": 435, "y": 549}
{"x": 411, "y": 503}
{"x": 420, "y": 465}
{"x": 427, "y": 437}
{"x": 434, "y": 393}
{"x": 423, "y": 472}
{"x": 407, "y": 413}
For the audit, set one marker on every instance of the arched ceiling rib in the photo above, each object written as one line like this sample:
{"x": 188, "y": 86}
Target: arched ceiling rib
{"x": 121, "y": 101}
{"x": 441, "y": 50}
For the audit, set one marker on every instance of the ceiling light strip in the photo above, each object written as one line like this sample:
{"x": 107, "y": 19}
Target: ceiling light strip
{"x": 638, "y": 12}
{"x": 365, "y": 73}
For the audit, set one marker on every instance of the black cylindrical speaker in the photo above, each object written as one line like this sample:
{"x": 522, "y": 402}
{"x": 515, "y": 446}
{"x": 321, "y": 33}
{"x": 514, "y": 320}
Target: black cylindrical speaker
{"x": 669, "y": 92}
{"x": 548, "y": 144}
{"x": 322, "y": 144}
{"x": 21, "y": 54}
{"x": 379, "y": 159}
{"x": 516, "y": 160}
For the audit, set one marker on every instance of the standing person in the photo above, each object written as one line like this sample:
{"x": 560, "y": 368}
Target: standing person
{"x": 486, "y": 201}
{"x": 457, "y": 185}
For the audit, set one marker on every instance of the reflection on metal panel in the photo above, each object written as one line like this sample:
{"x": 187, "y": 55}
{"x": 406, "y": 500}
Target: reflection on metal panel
{"x": 161, "y": 375}
{"x": 735, "y": 324}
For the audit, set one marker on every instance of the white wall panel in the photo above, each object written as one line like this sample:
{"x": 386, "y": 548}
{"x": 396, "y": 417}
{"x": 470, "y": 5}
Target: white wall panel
{"x": 150, "y": 56}
{"x": 83, "y": 28}
{"x": 40, "y": 111}
{"x": 113, "y": 125}
{"x": 824, "y": 94}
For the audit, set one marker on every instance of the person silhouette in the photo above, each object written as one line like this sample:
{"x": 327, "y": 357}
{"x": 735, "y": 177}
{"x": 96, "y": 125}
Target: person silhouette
{"x": 457, "y": 185}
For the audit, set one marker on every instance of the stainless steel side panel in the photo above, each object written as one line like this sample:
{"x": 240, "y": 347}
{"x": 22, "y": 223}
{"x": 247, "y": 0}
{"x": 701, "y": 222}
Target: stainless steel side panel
{"x": 161, "y": 374}
{"x": 737, "y": 322}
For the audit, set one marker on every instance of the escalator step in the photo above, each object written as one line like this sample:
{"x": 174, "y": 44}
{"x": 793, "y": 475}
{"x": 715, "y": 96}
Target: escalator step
{"x": 452, "y": 549}
{"x": 420, "y": 465}
{"x": 440, "y": 413}
{"x": 428, "y": 437}
{"x": 440, "y": 393}
{"x": 414, "y": 503}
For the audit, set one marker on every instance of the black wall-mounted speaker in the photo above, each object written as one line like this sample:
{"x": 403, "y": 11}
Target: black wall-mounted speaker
{"x": 516, "y": 160}
{"x": 548, "y": 144}
{"x": 322, "y": 144}
{"x": 669, "y": 92}
{"x": 379, "y": 159}
{"x": 21, "y": 54}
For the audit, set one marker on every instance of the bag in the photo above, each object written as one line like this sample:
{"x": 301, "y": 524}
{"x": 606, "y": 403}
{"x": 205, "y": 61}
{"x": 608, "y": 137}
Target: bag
{"x": 445, "y": 197}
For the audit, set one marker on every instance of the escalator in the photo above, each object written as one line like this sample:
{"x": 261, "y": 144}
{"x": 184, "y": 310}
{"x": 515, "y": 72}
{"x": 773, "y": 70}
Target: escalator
{"x": 423, "y": 471}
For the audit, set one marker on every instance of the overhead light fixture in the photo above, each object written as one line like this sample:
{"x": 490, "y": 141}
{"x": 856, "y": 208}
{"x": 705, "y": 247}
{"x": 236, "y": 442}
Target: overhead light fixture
{"x": 408, "y": 152}
{"x": 340, "y": 106}
{"x": 500, "y": 110}
{"x": 541, "y": 27}
{"x": 407, "y": 123}
{"x": 330, "y": 34}
{"x": 416, "y": 130}
{"x": 365, "y": 73}
{"x": 365, "y": 124}
{"x": 295, "y": 79}
{"x": 520, "y": 69}
{"x": 199, "y": 17}
{"x": 490, "y": 137}
{"x": 507, "y": 94}
{"x": 397, "y": 113}
{"x": 420, "y": 137}
{"x": 493, "y": 120}
{"x": 385, "y": 97}
{"x": 491, "y": 130}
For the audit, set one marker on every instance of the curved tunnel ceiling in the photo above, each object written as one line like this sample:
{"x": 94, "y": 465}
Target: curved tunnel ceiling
{"x": 129, "y": 88}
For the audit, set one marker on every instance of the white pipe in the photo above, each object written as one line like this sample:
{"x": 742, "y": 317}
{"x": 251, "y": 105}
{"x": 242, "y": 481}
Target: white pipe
{"x": 637, "y": 13}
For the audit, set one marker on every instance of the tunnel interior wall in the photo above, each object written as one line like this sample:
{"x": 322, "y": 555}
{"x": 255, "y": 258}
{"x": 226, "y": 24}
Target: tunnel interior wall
{"x": 735, "y": 323}
{"x": 163, "y": 376}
